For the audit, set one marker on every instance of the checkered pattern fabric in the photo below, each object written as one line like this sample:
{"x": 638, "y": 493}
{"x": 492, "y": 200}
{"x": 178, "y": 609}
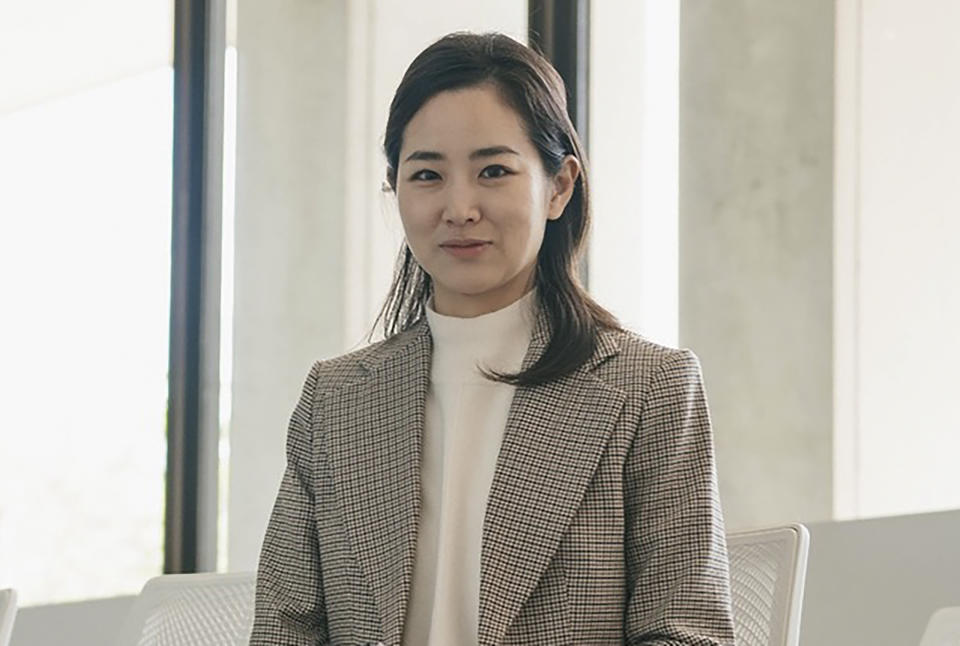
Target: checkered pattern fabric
{"x": 602, "y": 525}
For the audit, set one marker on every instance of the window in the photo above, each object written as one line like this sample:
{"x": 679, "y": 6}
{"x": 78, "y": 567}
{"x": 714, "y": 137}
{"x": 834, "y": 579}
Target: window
{"x": 85, "y": 156}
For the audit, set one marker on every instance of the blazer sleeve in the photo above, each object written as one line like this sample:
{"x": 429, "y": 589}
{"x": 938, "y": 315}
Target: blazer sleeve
{"x": 678, "y": 588}
{"x": 289, "y": 602}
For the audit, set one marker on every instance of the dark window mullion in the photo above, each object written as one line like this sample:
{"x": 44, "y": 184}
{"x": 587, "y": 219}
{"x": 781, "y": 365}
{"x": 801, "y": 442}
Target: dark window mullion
{"x": 192, "y": 412}
{"x": 560, "y": 29}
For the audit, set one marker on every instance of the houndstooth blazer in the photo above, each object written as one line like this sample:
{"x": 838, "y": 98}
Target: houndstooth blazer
{"x": 602, "y": 525}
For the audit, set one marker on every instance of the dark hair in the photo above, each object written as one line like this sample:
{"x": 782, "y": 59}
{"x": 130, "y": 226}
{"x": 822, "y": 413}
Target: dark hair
{"x": 532, "y": 87}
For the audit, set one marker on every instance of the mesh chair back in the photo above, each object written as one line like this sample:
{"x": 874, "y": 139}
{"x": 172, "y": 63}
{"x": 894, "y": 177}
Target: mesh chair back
{"x": 196, "y": 609}
{"x": 8, "y": 612}
{"x": 767, "y": 569}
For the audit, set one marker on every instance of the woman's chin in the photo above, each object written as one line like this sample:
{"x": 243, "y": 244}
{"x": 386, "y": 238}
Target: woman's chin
{"x": 468, "y": 285}
{"x": 468, "y": 291}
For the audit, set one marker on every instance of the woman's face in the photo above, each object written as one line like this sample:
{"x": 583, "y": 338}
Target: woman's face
{"x": 469, "y": 175}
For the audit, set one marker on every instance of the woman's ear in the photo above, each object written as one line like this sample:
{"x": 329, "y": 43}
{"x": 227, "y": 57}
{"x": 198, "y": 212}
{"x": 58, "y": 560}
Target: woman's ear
{"x": 387, "y": 186}
{"x": 563, "y": 184}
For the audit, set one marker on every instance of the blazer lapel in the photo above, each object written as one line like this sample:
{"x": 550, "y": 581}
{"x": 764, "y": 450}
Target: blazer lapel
{"x": 372, "y": 434}
{"x": 553, "y": 441}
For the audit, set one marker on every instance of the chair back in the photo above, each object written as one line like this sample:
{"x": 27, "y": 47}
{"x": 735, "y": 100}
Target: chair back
{"x": 8, "y": 612}
{"x": 943, "y": 628}
{"x": 176, "y": 609}
{"x": 767, "y": 569}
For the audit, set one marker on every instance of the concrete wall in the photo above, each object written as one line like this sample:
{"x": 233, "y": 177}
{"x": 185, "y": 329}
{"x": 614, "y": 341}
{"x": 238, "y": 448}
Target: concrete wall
{"x": 289, "y": 264}
{"x": 756, "y": 246}
{"x": 787, "y": 307}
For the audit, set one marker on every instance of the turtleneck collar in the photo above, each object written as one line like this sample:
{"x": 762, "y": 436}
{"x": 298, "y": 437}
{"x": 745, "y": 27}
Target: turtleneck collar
{"x": 497, "y": 340}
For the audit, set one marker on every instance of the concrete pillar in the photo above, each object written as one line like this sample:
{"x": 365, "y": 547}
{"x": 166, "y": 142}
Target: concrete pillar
{"x": 289, "y": 262}
{"x": 756, "y": 246}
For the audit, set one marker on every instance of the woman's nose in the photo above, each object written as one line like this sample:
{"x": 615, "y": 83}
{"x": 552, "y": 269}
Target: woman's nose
{"x": 461, "y": 206}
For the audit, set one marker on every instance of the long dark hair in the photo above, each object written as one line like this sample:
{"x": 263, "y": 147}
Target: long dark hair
{"x": 532, "y": 87}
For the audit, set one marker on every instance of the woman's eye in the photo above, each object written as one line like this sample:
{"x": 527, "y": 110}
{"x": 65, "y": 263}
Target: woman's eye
{"x": 424, "y": 175}
{"x": 494, "y": 172}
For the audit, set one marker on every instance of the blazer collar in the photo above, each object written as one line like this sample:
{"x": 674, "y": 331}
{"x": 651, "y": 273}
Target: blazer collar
{"x": 554, "y": 437}
{"x": 417, "y": 339}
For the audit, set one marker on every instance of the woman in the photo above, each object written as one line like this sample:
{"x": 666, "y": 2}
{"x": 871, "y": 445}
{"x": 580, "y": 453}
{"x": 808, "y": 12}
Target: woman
{"x": 509, "y": 466}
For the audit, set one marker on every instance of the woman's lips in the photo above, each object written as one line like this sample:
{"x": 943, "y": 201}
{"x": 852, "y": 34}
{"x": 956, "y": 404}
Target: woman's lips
{"x": 467, "y": 251}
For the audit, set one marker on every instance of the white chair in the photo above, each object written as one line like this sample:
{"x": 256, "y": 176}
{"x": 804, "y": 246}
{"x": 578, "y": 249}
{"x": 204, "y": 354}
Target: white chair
{"x": 943, "y": 629}
{"x": 192, "y": 609}
{"x": 767, "y": 569}
{"x": 8, "y": 612}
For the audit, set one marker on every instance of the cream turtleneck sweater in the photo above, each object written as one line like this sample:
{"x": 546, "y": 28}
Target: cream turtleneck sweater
{"x": 464, "y": 423}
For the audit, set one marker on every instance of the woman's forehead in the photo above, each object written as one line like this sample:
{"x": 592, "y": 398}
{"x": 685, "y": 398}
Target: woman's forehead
{"x": 459, "y": 122}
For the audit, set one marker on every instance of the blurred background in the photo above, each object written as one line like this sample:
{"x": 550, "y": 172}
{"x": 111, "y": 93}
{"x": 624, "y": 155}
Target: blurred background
{"x": 775, "y": 186}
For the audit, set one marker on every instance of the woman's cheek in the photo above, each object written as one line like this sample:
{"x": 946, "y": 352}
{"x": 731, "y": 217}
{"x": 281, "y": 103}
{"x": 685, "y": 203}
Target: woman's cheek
{"x": 415, "y": 218}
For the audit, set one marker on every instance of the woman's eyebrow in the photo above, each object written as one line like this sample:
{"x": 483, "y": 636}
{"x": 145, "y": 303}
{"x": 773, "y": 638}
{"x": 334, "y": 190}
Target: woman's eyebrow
{"x": 490, "y": 151}
{"x": 493, "y": 151}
